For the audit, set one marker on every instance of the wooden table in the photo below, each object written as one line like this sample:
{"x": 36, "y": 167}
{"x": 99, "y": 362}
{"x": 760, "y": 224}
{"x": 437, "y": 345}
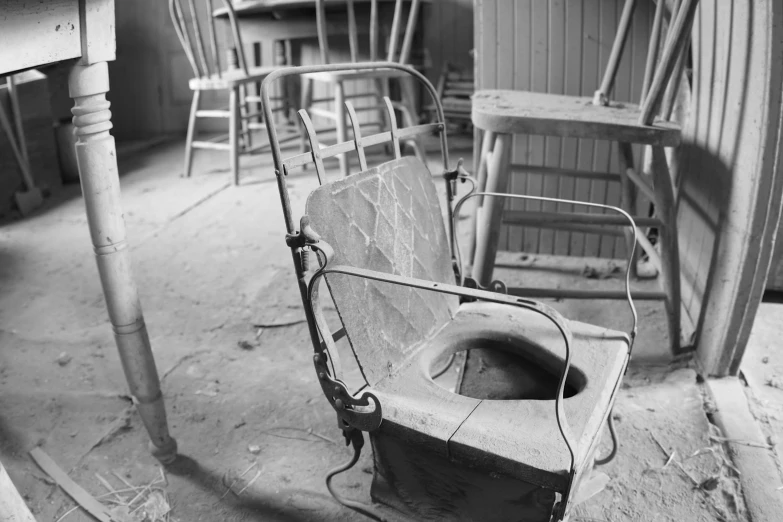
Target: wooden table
{"x": 275, "y": 21}
{"x": 80, "y": 34}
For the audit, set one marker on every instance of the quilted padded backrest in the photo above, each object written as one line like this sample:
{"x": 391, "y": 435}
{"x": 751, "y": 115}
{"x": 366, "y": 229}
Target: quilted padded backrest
{"x": 388, "y": 219}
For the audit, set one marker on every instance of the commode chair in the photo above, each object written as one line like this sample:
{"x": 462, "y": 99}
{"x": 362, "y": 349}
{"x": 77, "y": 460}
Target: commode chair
{"x": 391, "y": 266}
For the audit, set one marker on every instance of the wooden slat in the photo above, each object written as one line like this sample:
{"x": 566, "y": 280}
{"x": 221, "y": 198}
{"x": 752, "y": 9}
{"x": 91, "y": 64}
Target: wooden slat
{"x": 210, "y": 145}
{"x": 539, "y": 217}
{"x": 558, "y": 171}
{"x": 566, "y": 293}
{"x": 74, "y": 490}
{"x": 203, "y": 113}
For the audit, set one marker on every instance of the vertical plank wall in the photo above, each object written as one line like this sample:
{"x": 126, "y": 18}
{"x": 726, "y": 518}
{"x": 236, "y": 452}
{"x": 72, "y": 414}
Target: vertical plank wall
{"x": 561, "y": 47}
{"x": 728, "y": 172}
{"x": 448, "y": 26}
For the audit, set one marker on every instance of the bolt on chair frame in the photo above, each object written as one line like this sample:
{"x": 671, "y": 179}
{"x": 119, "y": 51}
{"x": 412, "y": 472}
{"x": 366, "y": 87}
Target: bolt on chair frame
{"x": 363, "y": 411}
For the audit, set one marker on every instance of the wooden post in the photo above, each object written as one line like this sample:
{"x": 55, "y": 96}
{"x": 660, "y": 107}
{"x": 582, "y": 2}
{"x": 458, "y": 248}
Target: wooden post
{"x": 490, "y": 213}
{"x": 12, "y": 506}
{"x": 97, "y": 160}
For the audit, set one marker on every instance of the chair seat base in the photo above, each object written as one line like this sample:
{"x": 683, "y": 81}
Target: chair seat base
{"x": 411, "y": 484}
{"x": 420, "y": 485}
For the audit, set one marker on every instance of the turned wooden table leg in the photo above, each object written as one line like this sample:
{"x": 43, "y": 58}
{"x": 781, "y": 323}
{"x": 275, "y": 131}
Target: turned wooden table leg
{"x": 97, "y": 160}
{"x": 489, "y": 215}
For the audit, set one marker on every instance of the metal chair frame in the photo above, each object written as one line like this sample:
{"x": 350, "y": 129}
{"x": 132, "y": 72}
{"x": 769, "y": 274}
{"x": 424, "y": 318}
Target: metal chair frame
{"x": 362, "y": 411}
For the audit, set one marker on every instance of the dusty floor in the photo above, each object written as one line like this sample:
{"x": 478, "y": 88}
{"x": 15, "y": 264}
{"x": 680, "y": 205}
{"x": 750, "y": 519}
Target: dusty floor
{"x": 762, "y": 369}
{"x": 211, "y": 266}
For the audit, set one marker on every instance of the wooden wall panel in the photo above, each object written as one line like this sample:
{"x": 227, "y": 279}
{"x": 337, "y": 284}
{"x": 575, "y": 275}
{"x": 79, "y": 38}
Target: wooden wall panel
{"x": 449, "y": 34}
{"x": 559, "y": 46}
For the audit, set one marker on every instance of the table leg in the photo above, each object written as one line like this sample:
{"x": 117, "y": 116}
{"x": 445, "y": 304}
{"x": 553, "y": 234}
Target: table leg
{"x": 97, "y": 160}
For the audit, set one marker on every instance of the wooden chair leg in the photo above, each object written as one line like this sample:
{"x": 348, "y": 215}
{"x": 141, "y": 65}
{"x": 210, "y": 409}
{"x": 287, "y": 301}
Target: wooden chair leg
{"x": 307, "y": 101}
{"x": 487, "y": 141}
{"x": 233, "y": 132}
{"x": 339, "y": 109}
{"x": 628, "y": 196}
{"x": 489, "y": 215}
{"x": 244, "y": 110}
{"x": 191, "y": 131}
{"x": 670, "y": 253}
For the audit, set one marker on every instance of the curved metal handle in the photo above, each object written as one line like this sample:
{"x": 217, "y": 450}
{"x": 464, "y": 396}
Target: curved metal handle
{"x": 631, "y": 224}
{"x": 284, "y": 72}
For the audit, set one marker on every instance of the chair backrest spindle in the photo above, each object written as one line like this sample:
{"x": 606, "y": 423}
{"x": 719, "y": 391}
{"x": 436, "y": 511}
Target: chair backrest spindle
{"x": 395, "y": 53}
{"x": 197, "y": 37}
{"x": 213, "y": 39}
{"x": 676, "y": 39}
{"x": 353, "y": 37}
{"x": 190, "y": 36}
{"x": 602, "y": 94}
{"x": 373, "y": 30}
{"x": 178, "y": 19}
{"x": 410, "y": 28}
{"x": 652, "y": 49}
{"x": 661, "y": 76}
{"x": 395, "y": 31}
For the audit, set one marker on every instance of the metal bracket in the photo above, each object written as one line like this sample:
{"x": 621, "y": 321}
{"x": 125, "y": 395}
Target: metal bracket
{"x": 304, "y": 236}
{"x": 354, "y": 412}
{"x": 457, "y": 172}
{"x": 497, "y": 286}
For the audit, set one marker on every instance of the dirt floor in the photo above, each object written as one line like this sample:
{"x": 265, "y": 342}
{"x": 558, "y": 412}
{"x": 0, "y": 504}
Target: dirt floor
{"x": 255, "y": 434}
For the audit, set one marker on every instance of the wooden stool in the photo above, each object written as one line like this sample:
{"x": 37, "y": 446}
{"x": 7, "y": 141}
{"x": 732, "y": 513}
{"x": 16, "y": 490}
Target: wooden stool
{"x": 503, "y": 114}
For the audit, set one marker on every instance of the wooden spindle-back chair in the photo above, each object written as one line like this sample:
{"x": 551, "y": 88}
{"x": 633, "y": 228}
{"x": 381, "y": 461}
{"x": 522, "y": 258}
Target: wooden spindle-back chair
{"x": 502, "y": 114}
{"x": 209, "y": 74}
{"x": 377, "y": 237}
{"x": 398, "y": 50}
